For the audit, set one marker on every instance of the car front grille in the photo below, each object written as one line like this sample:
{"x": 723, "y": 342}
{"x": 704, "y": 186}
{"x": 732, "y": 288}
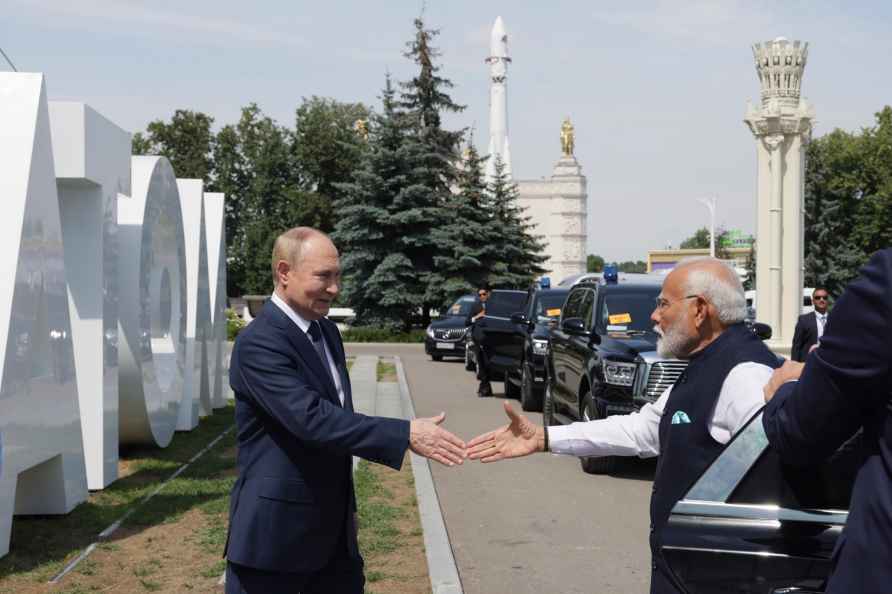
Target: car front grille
{"x": 449, "y": 333}
{"x": 662, "y": 375}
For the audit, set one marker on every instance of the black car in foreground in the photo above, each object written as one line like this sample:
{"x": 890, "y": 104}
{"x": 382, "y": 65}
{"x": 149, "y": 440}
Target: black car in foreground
{"x": 602, "y": 358}
{"x": 752, "y": 525}
{"x": 445, "y": 337}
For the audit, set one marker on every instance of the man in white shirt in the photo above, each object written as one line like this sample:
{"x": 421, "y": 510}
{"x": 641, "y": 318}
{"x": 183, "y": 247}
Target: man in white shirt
{"x": 810, "y": 326}
{"x": 699, "y": 317}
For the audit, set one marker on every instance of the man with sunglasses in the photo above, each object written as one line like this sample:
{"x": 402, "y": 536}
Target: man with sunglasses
{"x": 810, "y": 326}
{"x": 478, "y": 310}
{"x": 699, "y": 317}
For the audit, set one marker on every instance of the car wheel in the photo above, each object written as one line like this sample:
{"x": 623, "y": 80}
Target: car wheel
{"x": 548, "y": 407}
{"x": 599, "y": 464}
{"x": 511, "y": 389}
{"x": 528, "y": 399}
{"x": 469, "y": 363}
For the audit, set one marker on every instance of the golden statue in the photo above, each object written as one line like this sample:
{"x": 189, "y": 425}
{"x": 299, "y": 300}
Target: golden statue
{"x": 361, "y": 127}
{"x": 567, "y": 137}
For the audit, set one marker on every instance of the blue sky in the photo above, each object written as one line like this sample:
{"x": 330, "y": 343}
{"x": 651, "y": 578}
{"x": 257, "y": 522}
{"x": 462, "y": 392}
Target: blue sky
{"x": 657, "y": 90}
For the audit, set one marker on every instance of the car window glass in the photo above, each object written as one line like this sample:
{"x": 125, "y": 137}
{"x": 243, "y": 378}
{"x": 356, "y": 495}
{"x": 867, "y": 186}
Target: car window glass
{"x": 587, "y": 307}
{"x": 827, "y": 486}
{"x": 504, "y": 303}
{"x": 573, "y": 306}
{"x": 548, "y": 306}
{"x": 628, "y": 310}
{"x": 462, "y": 307}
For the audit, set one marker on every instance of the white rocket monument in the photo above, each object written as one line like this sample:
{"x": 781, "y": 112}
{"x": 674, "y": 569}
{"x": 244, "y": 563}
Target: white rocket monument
{"x": 498, "y": 98}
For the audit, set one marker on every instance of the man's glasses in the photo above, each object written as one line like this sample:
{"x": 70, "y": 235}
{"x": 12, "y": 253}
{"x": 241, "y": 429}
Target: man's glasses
{"x": 819, "y": 298}
{"x": 663, "y": 304}
{"x": 482, "y": 294}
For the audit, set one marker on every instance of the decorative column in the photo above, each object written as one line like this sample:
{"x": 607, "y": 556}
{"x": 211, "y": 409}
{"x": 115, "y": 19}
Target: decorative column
{"x": 782, "y": 126}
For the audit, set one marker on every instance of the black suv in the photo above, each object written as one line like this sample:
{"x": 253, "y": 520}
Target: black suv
{"x": 533, "y": 326}
{"x": 517, "y": 344}
{"x": 602, "y": 357}
{"x": 445, "y": 337}
{"x": 498, "y": 336}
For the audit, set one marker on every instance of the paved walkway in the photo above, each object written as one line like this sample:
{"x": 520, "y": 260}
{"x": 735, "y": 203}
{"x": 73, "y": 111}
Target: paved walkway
{"x": 392, "y": 399}
{"x": 533, "y": 525}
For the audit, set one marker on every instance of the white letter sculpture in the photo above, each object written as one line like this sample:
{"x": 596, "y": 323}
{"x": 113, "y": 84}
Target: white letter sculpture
{"x": 152, "y": 308}
{"x": 41, "y": 447}
{"x": 196, "y": 389}
{"x": 92, "y": 160}
{"x": 216, "y": 237}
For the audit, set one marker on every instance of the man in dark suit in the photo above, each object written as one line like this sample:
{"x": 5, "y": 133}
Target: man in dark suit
{"x": 845, "y": 386}
{"x": 478, "y": 310}
{"x": 810, "y": 326}
{"x": 291, "y": 521}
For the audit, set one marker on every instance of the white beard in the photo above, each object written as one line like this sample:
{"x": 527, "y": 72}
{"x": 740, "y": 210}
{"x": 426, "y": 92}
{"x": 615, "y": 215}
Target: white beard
{"x": 673, "y": 344}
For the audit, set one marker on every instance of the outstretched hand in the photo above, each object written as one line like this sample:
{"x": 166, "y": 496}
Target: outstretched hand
{"x": 521, "y": 437}
{"x": 428, "y": 439}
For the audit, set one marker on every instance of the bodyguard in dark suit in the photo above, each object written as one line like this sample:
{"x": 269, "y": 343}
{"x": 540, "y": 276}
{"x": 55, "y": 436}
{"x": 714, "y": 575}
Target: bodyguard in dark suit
{"x": 291, "y": 525}
{"x": 478, "y": 311}
{"x": 810, "y": 326}
{"x": 845, "y": 385}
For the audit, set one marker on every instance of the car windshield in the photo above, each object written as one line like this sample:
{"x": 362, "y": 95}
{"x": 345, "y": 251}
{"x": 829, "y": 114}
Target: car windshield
{"x": 504, "y": 303}
{"x": 461, "y": 307}
{"x": 628, "y": 311}
{"x": 549, "y": 306}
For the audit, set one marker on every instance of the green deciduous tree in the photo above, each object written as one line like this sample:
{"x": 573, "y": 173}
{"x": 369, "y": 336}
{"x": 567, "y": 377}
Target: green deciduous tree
{"x": 326, "y": 149}
{"x": 632, "y": 266}
{"x": 594, "y": 263}
{"x": 187, "y": 141}
{"x": 848, "y": 202}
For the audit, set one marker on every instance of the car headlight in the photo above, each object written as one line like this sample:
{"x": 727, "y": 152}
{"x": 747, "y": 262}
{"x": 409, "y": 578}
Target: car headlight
{"x": 540, "y": 347}
{"x": 619, "y": 374}
{"x": 430, "y": 332}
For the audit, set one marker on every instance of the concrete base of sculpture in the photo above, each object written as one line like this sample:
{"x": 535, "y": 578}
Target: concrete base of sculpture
{"x": 557, "y": 208}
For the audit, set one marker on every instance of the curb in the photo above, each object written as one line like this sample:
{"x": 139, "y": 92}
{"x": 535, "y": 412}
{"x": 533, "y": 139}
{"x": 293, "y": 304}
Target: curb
{"x": 440, "y": 559}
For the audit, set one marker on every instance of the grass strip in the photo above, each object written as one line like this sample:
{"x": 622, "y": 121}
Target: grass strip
{"x": 386, "y": 372}
{"x": 42, "y": 545}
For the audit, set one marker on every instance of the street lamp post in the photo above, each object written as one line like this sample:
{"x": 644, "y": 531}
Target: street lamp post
{"x": 710, "y": 204}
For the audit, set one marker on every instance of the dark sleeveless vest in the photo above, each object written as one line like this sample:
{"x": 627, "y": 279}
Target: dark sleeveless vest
{"x": 686, "y": 446}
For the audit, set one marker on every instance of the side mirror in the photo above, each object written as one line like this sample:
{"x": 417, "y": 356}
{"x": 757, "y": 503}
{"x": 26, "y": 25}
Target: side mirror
{"x": 573, "y": 326}
{"x": 518, "y": 318}
{"x": 761, "y": 330}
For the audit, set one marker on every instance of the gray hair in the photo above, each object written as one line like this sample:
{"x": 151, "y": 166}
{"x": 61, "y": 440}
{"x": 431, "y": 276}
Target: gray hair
{"x": 724, "y": 290}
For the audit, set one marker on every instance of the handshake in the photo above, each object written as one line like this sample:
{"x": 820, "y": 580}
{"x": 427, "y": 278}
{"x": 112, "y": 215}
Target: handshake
{"x": 520, "y": 437}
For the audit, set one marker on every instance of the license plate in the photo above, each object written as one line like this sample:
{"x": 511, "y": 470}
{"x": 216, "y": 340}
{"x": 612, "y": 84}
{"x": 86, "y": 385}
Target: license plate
{"x": 447, "y": 346}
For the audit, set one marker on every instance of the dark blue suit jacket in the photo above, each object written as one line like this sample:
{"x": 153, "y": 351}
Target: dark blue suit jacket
{"x": 845, "y": 386}
{"x": 293, "y": 500}
{"x": 804, "y": 336}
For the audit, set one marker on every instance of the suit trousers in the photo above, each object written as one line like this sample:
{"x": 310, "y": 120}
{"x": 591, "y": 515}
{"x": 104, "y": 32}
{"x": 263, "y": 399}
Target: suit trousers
{"x": 342, "y": 575}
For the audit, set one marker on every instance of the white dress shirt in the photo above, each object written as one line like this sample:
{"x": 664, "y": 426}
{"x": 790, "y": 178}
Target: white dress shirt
{"x": 820, "y": 321}
{"x": 638, "y": 433}
{"x": 304, "y": 325}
